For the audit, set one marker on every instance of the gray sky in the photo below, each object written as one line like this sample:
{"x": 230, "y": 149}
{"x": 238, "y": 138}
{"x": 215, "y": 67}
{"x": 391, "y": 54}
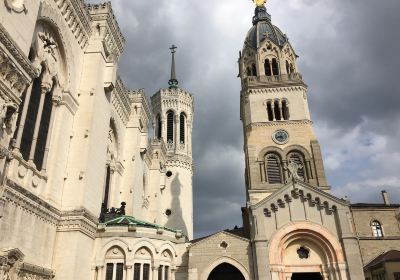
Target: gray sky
{"x": 348, "y": 57}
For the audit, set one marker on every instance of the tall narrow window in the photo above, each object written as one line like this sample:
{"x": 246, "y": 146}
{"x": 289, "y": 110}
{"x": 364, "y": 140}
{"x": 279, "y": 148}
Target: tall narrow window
{"x": 146, "y": 271}
{"x": 109, "y": 271}
{"x": 299, "y": 159}
{"x": 170, "y": 126}
{"x": 377, "y": 229}
{"x": 158, "y": 127}
{"x": 120, "y": 271}
{"x": 182, "y": 126}
{"x": 160, "y": 272}
{"x": 291, "y": 68}
{"x": 166, "y": 272}
{"x": 267, "y": 67}
{"x": 285, "y": 110}
{"x": 254, "y": 70}
{"x": 107, "y": 186}
{"x": 274, "y": 168}
{"x": 287, "y": 67}
{"x": 277, "y": 110}
{"x": 275, "y": 67}
{"x": 29, "y": 126}
{"x": 269, "y": 111}
{"x": 136, "y": 271}
{"x": 43, "y": 130}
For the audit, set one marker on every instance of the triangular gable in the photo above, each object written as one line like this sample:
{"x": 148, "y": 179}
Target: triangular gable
{"x": 300, "y": 188}
{"x": 223, "y": 232}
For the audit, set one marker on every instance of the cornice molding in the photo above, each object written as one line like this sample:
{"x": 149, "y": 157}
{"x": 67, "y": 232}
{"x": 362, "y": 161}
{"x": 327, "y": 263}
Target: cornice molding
{"x": 31, "y": 203}
{"x": 113, "y": 37}
{"x": 77, "y": 19}
{"x": 279, "y": 123}
{"x": 264, "y": 90}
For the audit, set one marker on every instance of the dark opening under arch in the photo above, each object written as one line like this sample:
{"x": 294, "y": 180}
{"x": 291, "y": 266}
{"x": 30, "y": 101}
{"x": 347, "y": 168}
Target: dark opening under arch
{"x": 307, "y": 276}
{"x": 225, "y": 271}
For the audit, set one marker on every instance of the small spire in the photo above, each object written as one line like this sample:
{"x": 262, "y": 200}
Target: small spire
{"x": 173, "y": 82}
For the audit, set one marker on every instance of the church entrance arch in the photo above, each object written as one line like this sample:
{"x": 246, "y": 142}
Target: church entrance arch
{"x": 306, "y": 251}
{"x": 225, "y": 271}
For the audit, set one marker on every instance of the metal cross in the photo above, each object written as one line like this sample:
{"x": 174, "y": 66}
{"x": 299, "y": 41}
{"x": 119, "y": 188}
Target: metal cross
{"x": 173, "y": 48}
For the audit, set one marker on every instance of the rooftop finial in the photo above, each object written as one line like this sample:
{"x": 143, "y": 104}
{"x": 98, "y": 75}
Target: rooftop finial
{"x": 173, "y": 82}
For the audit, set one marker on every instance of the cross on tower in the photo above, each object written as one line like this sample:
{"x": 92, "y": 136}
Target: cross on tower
{"x": 173, "y": 48}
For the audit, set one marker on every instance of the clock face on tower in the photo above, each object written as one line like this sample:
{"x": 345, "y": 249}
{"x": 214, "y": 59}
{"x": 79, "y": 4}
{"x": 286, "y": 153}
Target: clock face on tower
{"x": 280, "y": 137}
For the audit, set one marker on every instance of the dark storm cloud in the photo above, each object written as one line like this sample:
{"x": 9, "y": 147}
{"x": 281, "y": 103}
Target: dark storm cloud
{"x": 348, "y": 56}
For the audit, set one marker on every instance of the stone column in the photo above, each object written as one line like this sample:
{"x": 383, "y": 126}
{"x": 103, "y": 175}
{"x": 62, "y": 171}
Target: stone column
{"x": 273, "y": 109}
{"x": 177, "y": 130}
{"x": 23, "y": 117}
{"x": 45, "y": 88}
{"x": 155, "y": 268}
{"x": 56, "y": 101}
{"x": 129, "y": 272}
{"x": 270, "y": 67}
{"x": 280, "y": 109}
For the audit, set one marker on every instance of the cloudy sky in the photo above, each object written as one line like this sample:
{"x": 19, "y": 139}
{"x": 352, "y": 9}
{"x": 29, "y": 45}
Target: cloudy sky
{"x": 349, "y": 57}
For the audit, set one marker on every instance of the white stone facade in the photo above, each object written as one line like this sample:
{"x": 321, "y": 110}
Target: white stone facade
{"x": 88, "y": 192}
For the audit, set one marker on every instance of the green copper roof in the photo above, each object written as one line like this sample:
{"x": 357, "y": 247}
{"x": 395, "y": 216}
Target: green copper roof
{"x": 128, "y": 220}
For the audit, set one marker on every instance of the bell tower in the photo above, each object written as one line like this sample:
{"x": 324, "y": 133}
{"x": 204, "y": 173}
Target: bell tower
{"x": 274, "y": 111}
{"x": 173, "y": 111}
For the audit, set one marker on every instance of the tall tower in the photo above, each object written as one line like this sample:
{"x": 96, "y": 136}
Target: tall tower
{"x": 274, "y": 112}
{"x": 173, "y": 111}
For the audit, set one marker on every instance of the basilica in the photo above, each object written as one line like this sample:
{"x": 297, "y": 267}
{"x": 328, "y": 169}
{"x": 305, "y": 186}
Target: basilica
{"x": 96, "y": 178}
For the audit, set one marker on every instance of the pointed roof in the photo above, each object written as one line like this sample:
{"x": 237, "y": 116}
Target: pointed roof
{"x": 129, "y": 220}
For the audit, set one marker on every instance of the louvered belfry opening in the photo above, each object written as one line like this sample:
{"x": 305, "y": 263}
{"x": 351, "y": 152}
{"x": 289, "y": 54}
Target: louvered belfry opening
{"x": 298, "y": 158}
{"x": 170, "y": 126}
{"x": 274, "y": 169}
{"x": 182, "y": 121}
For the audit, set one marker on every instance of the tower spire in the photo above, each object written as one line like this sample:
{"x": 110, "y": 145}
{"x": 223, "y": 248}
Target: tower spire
{"x": 173, "y": 82}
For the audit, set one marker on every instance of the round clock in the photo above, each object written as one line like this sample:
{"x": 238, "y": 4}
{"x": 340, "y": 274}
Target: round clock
{"x": 280, "y": 137}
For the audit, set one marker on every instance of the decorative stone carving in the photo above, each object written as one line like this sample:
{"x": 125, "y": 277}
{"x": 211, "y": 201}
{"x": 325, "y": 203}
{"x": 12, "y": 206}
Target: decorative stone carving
{"x": 16, "y": 5}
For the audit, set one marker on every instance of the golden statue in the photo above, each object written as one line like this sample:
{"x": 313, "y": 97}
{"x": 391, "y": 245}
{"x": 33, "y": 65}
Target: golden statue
{"x": 259, "y": 3}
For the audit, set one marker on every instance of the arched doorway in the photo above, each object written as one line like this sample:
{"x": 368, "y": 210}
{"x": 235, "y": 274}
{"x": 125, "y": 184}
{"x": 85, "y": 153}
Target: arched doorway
{"x": 306, "y": 251}
{"x": 225, "y": 271}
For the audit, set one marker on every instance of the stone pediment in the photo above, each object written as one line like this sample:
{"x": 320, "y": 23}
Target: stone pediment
{"x": 299, "y": 190}
{"x": 221, "y": 236}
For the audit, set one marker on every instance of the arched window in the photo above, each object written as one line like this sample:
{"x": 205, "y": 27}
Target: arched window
{"x": 115, "y": 264}
{"x": 248, "y": 72}
{"x": 298, "y": 158}
{"x": 158, "y": 127}
{"x": 275, "y": 67}
{"x": 164, "y": 270}
{"x": 287, "y": 67}
{"x": 377, "y": 229}
{"x": 277, "y": 110}
{"x": 225, "y": 271}
{"x": 141, "y": 268}
{"x": 36, "y": 117}
{"x": 269, "y": 111}
{"x": 170, "y": 126}
{"x": 274, "y": 168}
{"x": 285, "y": 110}
{"x": 182, "y": 127}
{"x": 254, "y": 70}
{"x": 267, "y": 67}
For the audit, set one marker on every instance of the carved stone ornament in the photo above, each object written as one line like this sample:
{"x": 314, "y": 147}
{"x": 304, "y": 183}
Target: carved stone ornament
{"x": 16, "y": 5}
{"x": 293, "y": 168}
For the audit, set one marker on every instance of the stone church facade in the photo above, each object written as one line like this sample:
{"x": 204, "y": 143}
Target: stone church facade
{"x": 96, "y": 179}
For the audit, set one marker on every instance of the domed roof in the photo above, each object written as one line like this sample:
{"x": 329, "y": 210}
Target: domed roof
{"x": 263, "y": 29}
